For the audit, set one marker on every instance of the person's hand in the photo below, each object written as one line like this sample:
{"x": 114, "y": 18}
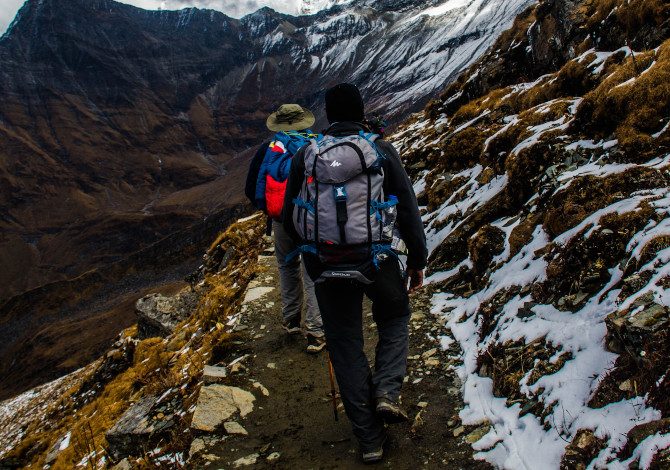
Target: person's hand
{"x": 415, "y": 277}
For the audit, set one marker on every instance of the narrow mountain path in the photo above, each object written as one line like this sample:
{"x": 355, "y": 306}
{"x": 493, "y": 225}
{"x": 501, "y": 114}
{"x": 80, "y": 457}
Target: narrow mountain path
{"x": 292, "y": 424}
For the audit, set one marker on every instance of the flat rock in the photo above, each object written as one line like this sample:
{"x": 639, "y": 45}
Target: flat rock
{"x": 197, "y": 446}
{"x": 214, "y": 374}
{"x": 60, "y": 445}
{"x": 432, "y": 362}
{"x": 123, "y": 465}
{"x": 477, "y": 434}
{"x": 218, "y": 403}
{"x": 256, "y": 293}
{"x": 233, "y": 427}
{"x": 246, "y": 461}
{"x": 430, "y": 353}
{"x": 630, "y": 329}
{"x": 262, "y": 388}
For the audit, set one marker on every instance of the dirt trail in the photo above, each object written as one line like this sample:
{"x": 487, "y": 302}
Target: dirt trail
{"x": 296, "y": 418}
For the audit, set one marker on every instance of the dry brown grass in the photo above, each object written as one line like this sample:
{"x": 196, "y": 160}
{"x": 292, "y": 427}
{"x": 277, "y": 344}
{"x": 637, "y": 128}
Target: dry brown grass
{"x": 632, "y": 103}
{"x": 508, "y": 363}
{"x": 587, "y": 195}
{"x": 476, "y": 107}
{"x": 523, "y": 233}
{"x": 484, "y": 245}
{"x": 632, "y": 15}
{"x": 464, "y": 149}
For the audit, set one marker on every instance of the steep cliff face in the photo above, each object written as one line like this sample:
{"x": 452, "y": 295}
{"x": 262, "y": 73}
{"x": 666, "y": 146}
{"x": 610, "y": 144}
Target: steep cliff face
{"x": 545, "y": 171}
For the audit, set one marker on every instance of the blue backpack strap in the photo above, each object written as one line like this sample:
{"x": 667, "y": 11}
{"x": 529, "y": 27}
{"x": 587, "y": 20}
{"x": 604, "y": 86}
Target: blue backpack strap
{"x": 378, "y": 207}
{"x": 299, "y": 202}
{"x": 295, "y": 140}
{"x": 370, "y": 137}
{"x": 301, "y": 249}
{"x": 379, "y": 249}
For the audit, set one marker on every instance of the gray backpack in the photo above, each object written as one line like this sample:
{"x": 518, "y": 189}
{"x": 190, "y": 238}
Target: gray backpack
{"x": 340, "y": 210}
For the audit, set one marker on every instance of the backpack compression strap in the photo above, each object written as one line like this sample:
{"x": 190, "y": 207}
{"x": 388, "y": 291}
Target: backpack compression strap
{"x": 340, "y": 194}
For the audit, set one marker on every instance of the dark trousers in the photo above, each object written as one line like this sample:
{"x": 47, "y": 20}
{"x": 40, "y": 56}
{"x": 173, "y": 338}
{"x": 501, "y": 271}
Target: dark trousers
{"x": 341, "y": 305}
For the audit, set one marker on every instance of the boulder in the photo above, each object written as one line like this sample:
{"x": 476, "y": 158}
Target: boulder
{"x": 158, "y": 315}
{"x": 217, "y": 403}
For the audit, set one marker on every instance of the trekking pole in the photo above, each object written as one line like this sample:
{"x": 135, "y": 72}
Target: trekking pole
{"x": 331, "y": 372}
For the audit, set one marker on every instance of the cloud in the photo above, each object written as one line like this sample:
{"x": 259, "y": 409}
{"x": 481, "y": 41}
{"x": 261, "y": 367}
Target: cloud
{"x": 234, "y": 8}
{"x": 8, "y": 9}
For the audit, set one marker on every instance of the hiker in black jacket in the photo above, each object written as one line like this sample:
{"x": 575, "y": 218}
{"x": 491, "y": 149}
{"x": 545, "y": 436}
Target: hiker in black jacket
{"x": 370, "y": 398}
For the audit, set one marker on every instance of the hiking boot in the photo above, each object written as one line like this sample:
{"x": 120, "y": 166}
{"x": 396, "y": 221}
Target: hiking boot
{"x": 390, "y": 412}
{"x": 292, "y": 326}
{"x": 315, "y": 344}
{"x": 374, "y": 455}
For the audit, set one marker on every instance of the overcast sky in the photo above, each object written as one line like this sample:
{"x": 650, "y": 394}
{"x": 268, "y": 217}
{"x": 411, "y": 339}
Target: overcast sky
{"x": 235, "y": 8}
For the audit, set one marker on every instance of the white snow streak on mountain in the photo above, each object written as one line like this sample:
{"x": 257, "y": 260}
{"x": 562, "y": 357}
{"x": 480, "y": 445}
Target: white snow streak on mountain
{"x": 403, "y": 56}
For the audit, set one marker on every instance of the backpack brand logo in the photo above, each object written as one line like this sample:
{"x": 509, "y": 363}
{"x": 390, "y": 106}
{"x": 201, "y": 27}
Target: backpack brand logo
{"x": 335, "y": 164}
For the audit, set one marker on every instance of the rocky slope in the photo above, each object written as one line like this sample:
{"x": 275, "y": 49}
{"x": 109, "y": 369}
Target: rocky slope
{"x": 545, "y": 171}
{"x": 121, "y": 128}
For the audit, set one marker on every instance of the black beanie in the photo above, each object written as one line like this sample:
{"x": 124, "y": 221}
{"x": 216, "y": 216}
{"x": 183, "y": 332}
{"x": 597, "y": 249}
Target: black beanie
{"x": 344, "y": 103}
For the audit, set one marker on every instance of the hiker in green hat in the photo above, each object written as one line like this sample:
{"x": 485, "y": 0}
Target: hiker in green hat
{"x": 265, "y": 188}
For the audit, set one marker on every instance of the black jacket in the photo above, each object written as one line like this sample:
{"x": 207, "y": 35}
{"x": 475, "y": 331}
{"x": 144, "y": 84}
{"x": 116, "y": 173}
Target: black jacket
{"x": 396, "y": 182}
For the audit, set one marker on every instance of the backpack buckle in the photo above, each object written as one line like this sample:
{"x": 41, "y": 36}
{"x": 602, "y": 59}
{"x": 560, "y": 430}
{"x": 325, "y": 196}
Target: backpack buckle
{"x": 340, "y": 193}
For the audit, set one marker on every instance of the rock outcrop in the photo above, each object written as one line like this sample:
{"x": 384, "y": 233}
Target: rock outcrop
{"x": 142, "y": 427}
{"x": 158, "y": 315}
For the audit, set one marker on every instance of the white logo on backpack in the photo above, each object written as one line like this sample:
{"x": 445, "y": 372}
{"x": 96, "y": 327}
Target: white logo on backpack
{"x": 335, "y": 164}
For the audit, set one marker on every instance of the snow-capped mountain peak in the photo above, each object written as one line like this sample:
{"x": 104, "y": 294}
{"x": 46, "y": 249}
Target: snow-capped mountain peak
{"x": 309, "y": 7}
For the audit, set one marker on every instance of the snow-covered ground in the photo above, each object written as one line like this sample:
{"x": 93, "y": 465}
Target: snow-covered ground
{"x": 575, "y": 338}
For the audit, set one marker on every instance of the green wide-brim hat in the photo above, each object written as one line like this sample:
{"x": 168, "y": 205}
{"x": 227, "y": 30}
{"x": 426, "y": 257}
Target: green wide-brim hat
{"x": 290, "y": 117}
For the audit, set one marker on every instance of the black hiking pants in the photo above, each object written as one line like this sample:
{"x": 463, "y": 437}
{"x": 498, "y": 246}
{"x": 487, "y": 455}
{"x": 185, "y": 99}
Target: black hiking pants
{"x": 341, "y": 305}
